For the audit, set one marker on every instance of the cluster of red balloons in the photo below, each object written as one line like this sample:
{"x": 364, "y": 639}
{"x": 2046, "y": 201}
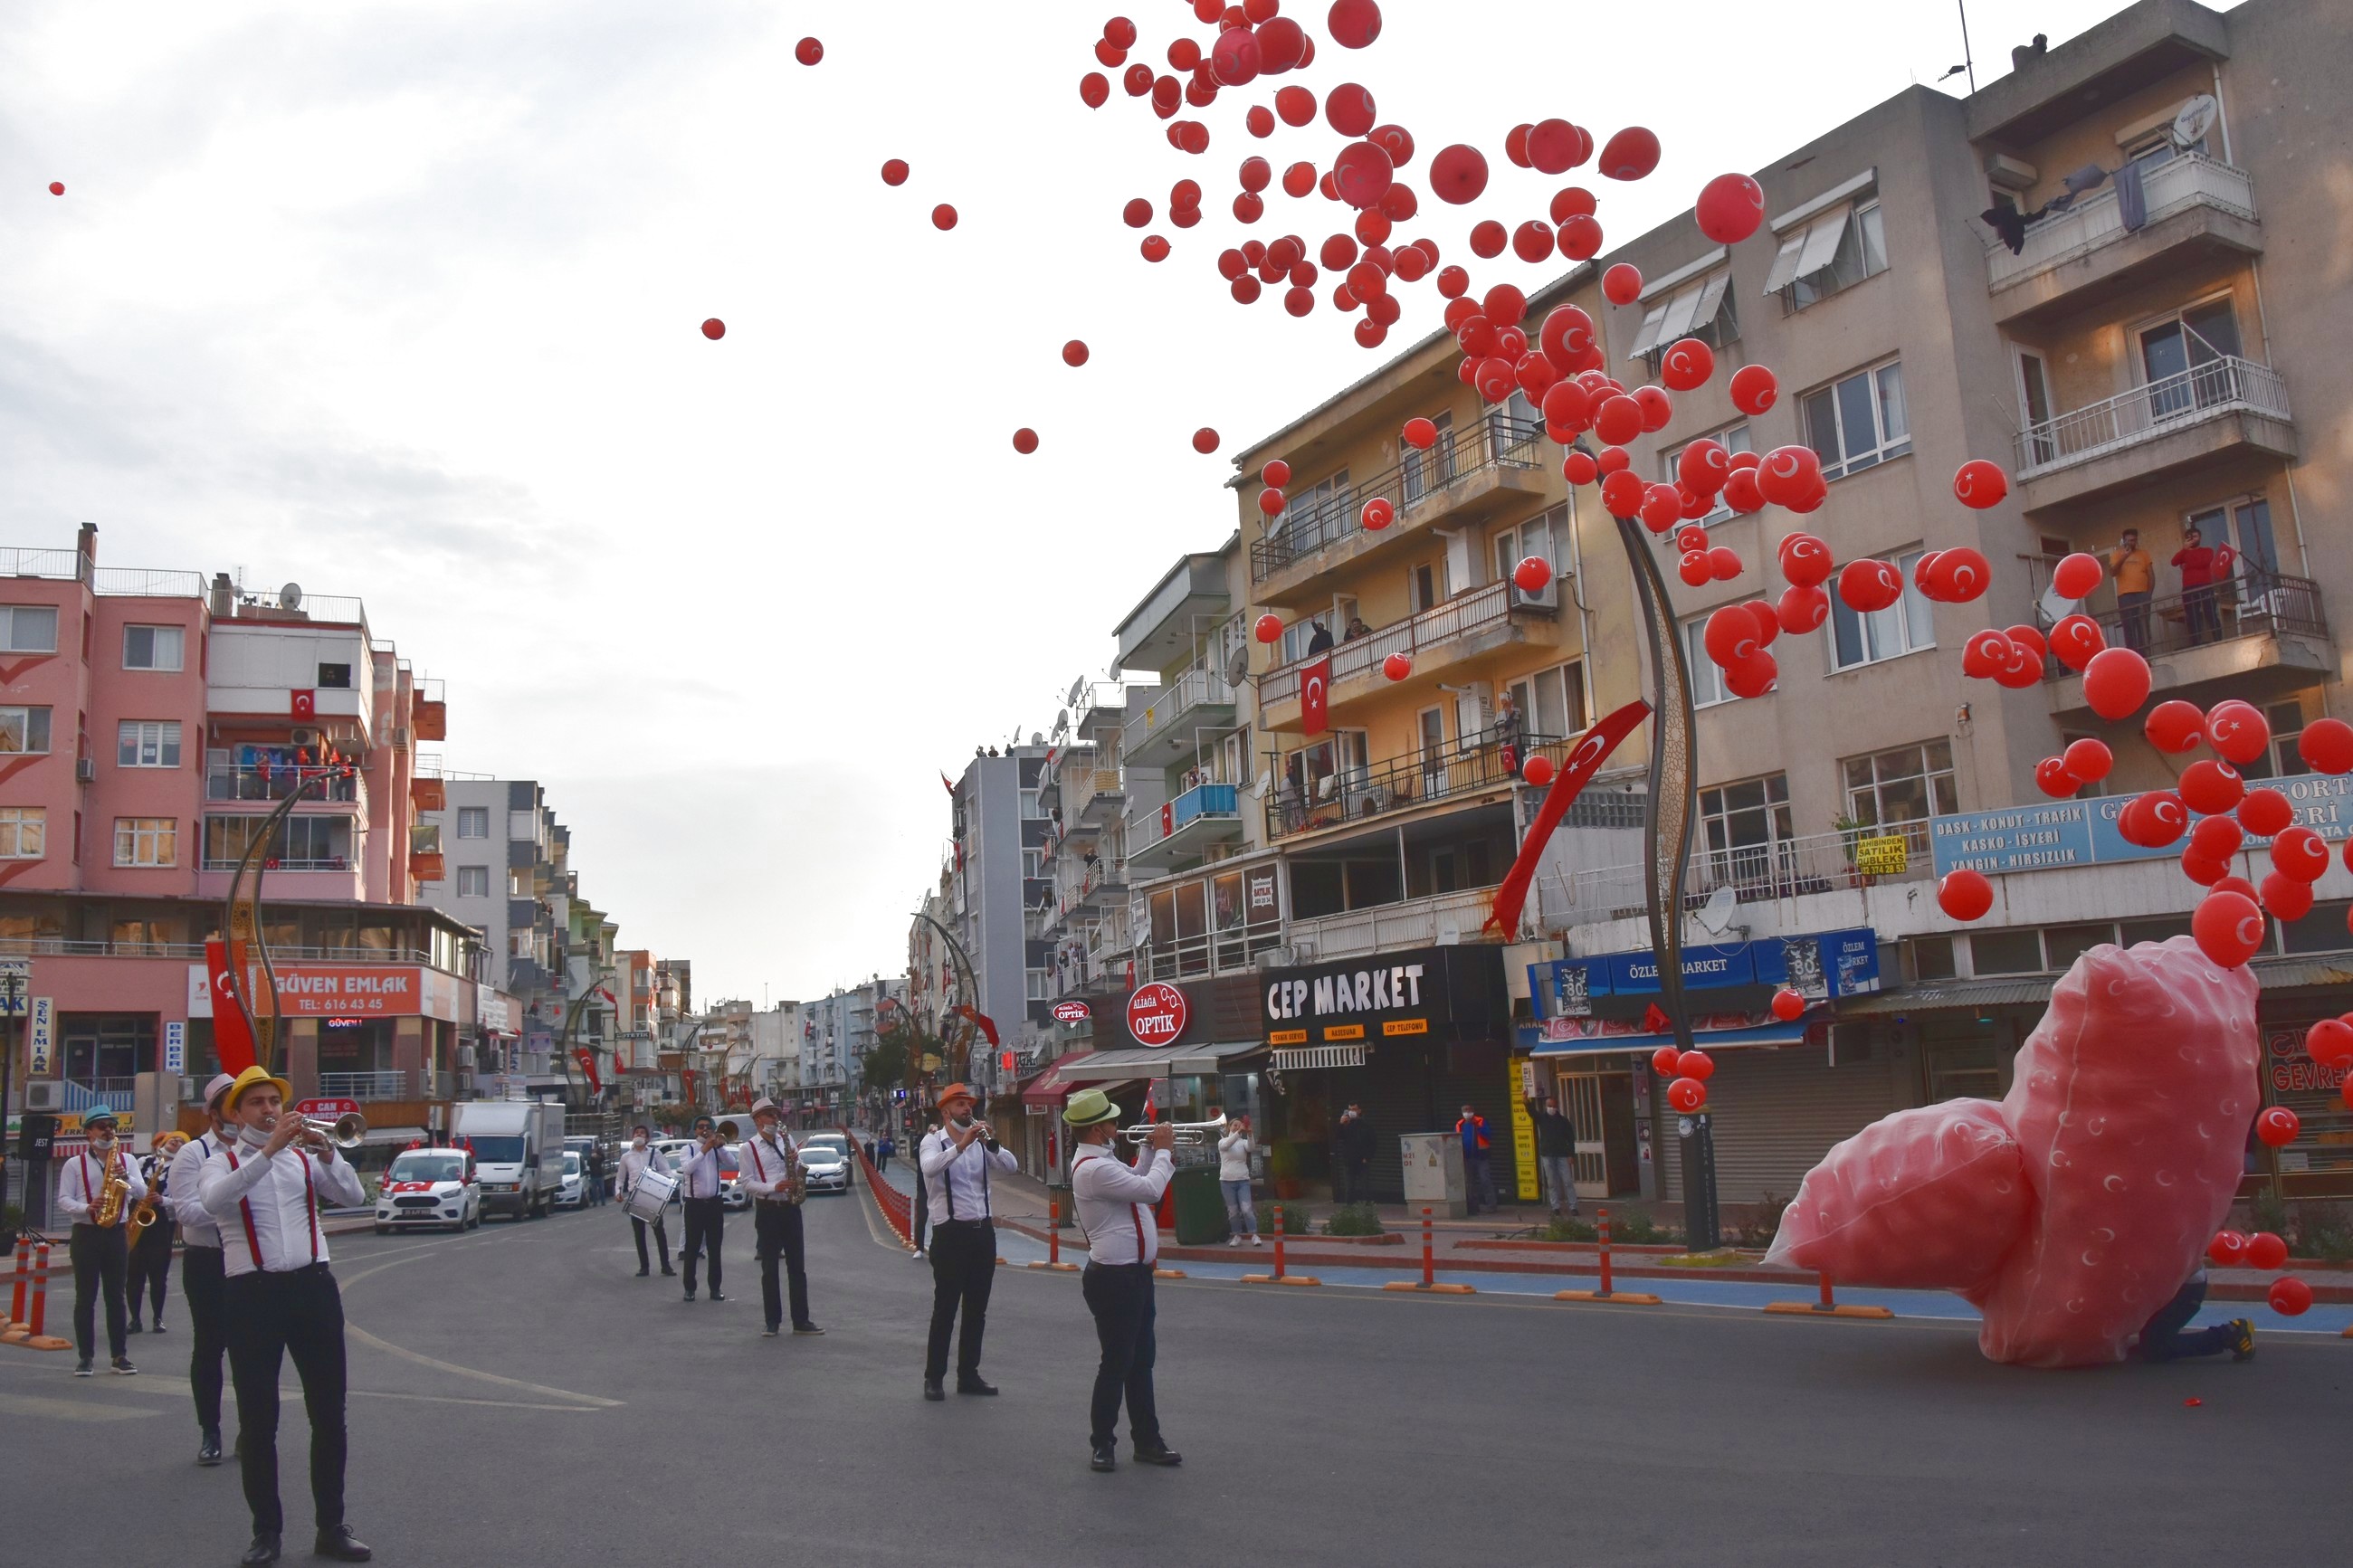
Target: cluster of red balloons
{"x": 1686, "y": 1073}
{"x": 2289, "y": 1297}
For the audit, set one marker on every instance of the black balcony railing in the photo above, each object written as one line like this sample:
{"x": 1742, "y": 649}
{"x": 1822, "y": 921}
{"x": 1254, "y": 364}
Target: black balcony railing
{"x": 1494, "y": 442}
{"x": 2255, "y": 605}
{"x": 1301, "y": 803}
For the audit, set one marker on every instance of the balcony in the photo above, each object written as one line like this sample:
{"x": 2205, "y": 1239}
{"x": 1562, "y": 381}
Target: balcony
{"x": 1468, "y": 475}
{"x": 1437, "y": 640}
{"x": 428, "y": 794}
{"x": 266, "y": 785}
{"x": 1164, "y": 628}
{"x": 2210, "y": 413}
{"x": 2197, "y": 207}
{"x": 365, "y": 1086}
{"x": 1186, "y": 827}
{"x": 1196, "y": 707}
{"x": 1785, "y": 868}
{"x": 1427, "y": 777}
{"x": 1442, "y": 919}
{"x": 1101, "y": 796}
{"x": 2253, "y": 637}
{"x": 426, "y": 865}
{"x": 429, "y": 713}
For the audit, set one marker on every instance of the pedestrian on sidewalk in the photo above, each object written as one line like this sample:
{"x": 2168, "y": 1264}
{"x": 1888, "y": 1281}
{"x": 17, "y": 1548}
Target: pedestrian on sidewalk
{"x": 2166, "y": 1336}
{"x": 1234, "y": 1181}
{"x": 1115, "y": 1208}
{"x": 595, "y": 1171}
{"x": 1478, "y": 1179}
{"x": 883, "y": 1150}
{"x": 1353, "y": 1142}
{"x": 1556, "y": 1148}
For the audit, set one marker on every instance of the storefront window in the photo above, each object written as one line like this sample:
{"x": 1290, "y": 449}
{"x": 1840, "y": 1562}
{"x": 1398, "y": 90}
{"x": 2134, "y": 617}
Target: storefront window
{"x": 2062, "y": 945}
{"x": 2007, "y": 951}
{"x": 1962, "y": 1060}
{"x": 2135, "y": 932}
{"x": 1932, "y": 957}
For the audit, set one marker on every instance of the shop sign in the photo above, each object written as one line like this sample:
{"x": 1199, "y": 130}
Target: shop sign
{"x": 2292, "y": 1071}
{"x": 1817, "y": 966}
{"x": 1882, "y": 856}
{"x": 1524, "y": 1129}
{"x": 2084, "y": 832}
{"x": 334, "y": 990}
{"x": 1070, "y": 1012}
{"x": 175, "y": 1045}
{"x": 326, "y": 1108}
{"x": 41, "y": 1038}
{"x": 1157, "y": 1014}
{"x": 1262, "y": 906}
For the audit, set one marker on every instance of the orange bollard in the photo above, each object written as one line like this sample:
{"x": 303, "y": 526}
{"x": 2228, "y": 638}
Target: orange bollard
{"x": 1053, "y": 1231}
{"x": 1429, "y": 1261}
{"x": 17, "y": 1297}
{"x": 1428, "y": 1281}
{"x": 1635, "y": 1298}
{"x": 40, "y": 1289}
{"x": 1280, "y": 1275}
{"x": 1827, "y": 1307}
{"x": 1605, "y": 1252}
{"x": 1829, "y": 1302}
{"x": 1278, "y": 1241}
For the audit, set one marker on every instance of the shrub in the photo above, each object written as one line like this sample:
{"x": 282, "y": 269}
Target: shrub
{"x": 1569, "y": 1230}
{"x": 1641, "y": 1230}
{"x": 1351, "y": 1219}
{"x": 1757, "y": 1228}
{"x": 2270, "y": 1212}
{"x": 2325, "y": 1231}
{"x": 1294, "y": 1217}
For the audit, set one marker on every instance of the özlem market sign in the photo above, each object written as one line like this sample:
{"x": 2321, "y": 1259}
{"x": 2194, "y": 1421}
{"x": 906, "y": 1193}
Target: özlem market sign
{"x": 1156, "y": 1013}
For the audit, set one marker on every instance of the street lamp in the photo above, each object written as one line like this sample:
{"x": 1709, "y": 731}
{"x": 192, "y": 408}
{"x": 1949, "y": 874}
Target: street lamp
{"x": 12, "y": 994}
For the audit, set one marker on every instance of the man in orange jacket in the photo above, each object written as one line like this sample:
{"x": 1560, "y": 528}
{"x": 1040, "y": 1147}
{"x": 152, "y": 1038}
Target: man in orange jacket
{"x": 1478, "y": 1177}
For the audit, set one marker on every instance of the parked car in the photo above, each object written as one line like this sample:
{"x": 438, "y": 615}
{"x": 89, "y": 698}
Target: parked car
{"x": 572, "y": 1192}
{"x": 429, "y": 1186}
{"x": 731, "y": 1195}
{"x": 826, "y": 1166}
{"x": 834, "y": 1140}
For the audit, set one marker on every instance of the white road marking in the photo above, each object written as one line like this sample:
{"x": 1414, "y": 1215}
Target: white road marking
{"x": 589, "y": 1400}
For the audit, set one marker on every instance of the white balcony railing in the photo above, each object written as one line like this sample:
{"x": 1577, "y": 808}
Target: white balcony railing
{"x": 1197, "y": 688}
{"x": 1482, "y": 609}
{"x": 393, "y": 1085}
{"x": 2201, "y": 393}
{"x": 1785, "y": 868}
{"x": 2191, "y": 180}
{"x": 1416, "y": 922}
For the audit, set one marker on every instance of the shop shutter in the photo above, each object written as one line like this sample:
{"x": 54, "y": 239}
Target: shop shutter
{"x": 1778, "y": 1113}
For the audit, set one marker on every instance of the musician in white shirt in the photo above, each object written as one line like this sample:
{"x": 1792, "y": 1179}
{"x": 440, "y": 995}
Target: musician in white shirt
{"x": 635, "y": 1160}
{"x": 955, "y": 1159}
{"x": 100, "y": 1253}
{"x": 1116, "y": 1206}
{"x": 703, "y": 1190}
{"x": 280, "y": 1300}
{"x": 202, "y": 1276}
{"x": 768, "y": 1167}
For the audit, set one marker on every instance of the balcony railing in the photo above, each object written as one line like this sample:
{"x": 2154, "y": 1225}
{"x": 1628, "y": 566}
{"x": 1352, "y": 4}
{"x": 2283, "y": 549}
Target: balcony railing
{"x": 391, "y": 1084}
{"x": 225, "y": 780}
{"x": 194, "y": 952}
{"x": 1494, "y": 442}
{"x": 114, "y": 1093}
{"x": 1466, "y": 615}
{"x": 1411, "y": 922}
{"x": 2191, "y": 180}
{"x": 2257, "y": 604}
{"x": 2203, "y": 391}
{"x": 274, "y": 863}
{"x": 1199, "y": 687}
{"x": 1222, "y": 801}
{"x": 1784, "y": 868}
{"x": 1096, "y": 784}
{"x": 1418, "y": 778}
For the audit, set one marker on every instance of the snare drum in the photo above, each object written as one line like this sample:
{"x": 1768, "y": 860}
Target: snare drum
{"x": 651, "y": 1195}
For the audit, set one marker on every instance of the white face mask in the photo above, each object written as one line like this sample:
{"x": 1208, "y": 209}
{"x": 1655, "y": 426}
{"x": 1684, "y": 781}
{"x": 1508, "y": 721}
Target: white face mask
{"x": 638, "y": 1142}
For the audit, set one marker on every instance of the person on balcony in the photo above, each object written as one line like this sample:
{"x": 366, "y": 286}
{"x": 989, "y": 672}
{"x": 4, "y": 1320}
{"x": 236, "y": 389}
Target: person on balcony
{"x": 1321, "y": 642}
{"x": 1508, "y": 732}
{"x": 1356, "y": 628}
{"x": 2135, "y": 576}
{"x": 2202, "y": 567}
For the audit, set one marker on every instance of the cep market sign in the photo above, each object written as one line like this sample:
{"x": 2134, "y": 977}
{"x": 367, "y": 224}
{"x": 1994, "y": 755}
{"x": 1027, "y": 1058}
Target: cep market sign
{"x": 1395, "y": 995}
{"x": 2084, "y": 832}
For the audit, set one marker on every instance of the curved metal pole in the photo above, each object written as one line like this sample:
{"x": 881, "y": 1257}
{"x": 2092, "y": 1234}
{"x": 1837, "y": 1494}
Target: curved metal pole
{"x": 248, "y": 903}
{"x": 1666, "y": 835}
{"x": 959, "y": 1046}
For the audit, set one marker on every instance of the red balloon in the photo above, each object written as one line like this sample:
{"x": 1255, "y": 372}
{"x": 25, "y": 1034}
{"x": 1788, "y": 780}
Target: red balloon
{"x": 2326, "y": 746}
{"x": 1578, "y": 467}
{"x": 1419, "y": 433}
{"x": 2263, "y": 812}
{"x": 1538, "y": 771}
{"x": 1362, "y": 173}
{"x": 1379, "y": 513}
{"x": 1074, "y": 353}
{"x": 1622, "y": 284}
{"x": 1631, "y": 154}
{"x": 1869, "y": 585}
{"x": 1729, "y": 635}
{"x": 1245, "y": 291}
{"x": 1457, "y": 174}
{"x": 2076, "y": 577}
{"x": 1296, "y": 105}
{"x": 714, "y": 329}
{"x": 1621, "y": 493}
{"x": 2090, "y": 760}
{"x": 1495, "y": 380}
{"x": 1573, "y": 201}
{"x": 2283, "y": 897}
{"x": 1503, "y": 305}
{"x": 1137, "y": 80}
{"x": 944, "y": 217}
{"x": 1802, "y": 608}
{"x": 2301, "y": 853}
{"x": 2175, "y": 726}
{"x": 1805, "y": 560}
{"x": 2330, "y": 1043}
{"x": 2290, "y": 1297}
{"x": 1348, "y": 109}
{"x": 1965, "y": 895}
{"x": 2238, "y": 730}
{"x": 1236, "y": 58}
{"x": 1025, "y": 440}
{"x": 1694, "y": 569}
{"x": 1354, "y": 24}
{"x": 1533, "y": 575}
{"x": 1754, "y": 389}
{"x": 1722, "y": 563}
{"x": 1259, "y": 120}
{"x": 1979, "y": 484}
{"x": 1396, "y": 667}
{"x": 808, "y": 51}
{"x": 2076, "y": 639}
{"x": 1729, "y": 208}
{"x": 2153, "y": 820}
{"x": 1272, "y": 502}
{"x": 2051, "y": 777}
{"x": 2226, "y": 1249}
{"x": 1398, "y": 142}
{"x": 1553, "y": 147}
{"x": 2115, "y": 683}
{"x": 57, "y": 187}
{"x": 1205, "y": 440}
{"x": 1281, "y": 45}
{"x": 1580, "y": 237}
{"x": 1662, "y": 1061}
{"x": 1618, "y": 420}
{"x": 2216, "y": 837}
{"x": 1686, "y": 1095}
{"x": 1488, "y": 240}
{"x": 1155, "y": 248}
{"x": 1276, "y": 473}
{"x": 1703, "y": 468}
{"x": 1516, "y": 145}
{"x": 2208, "y": 787}
{"x": 1686, "y": 364}
{"x": 1739, "y": 490}
{"x": 1268, "y": 628}
{"x": 1255, "y": 174}
{"x": 2265, "y": 1251}
{"x": 1697, "y": 1066}
{"x": 1788, "y": 1004}
{"x": 2228, "y": 927}
{"x": 1120, "y": 33}
{"x": 1961, "y": 575}
{"x": 894, "y": 170}
{"x": 1532, "y": 241}
{"x": 1248, "y": 208}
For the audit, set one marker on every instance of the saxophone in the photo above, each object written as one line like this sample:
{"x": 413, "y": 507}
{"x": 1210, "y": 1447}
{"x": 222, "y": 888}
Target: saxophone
{"x": 113, "y": 1193}
{"x": 795, "y": 1178}
{"x": 146, "y": 1211}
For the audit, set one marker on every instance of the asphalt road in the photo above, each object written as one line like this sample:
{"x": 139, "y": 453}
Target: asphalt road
{"x": 520, "y": 1398}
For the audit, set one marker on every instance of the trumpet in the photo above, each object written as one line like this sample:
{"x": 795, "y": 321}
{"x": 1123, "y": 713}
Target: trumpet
{"x": 1189, "y": 1134}
{"x": 348, "y": 1130}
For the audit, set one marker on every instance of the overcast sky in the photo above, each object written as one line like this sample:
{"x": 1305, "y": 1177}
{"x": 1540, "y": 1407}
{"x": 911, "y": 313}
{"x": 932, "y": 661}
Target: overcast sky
{"x": 402, "y": 301}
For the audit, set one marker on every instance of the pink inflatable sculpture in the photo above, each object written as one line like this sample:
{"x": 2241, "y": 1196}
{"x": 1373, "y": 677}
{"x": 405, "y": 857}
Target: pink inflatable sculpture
{"x": 2073, "y": 1208}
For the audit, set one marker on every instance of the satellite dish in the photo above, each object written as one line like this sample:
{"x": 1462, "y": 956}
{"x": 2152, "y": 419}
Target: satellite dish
{"x": 2196, "y": 118}
{"x": 1078, "y": 691}
{"x": 290, "y": 597}
{"x": 1036, "y": 738}
{"x": 1717, "y": 912}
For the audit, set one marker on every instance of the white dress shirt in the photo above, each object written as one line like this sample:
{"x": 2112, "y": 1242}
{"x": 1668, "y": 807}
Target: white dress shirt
{"x": 956, "y": 1185}
{"x": 1116, "y": 1203}
{"x": 703, "y": 1176}
{"x": 765, "y": 1165}
{"x": 268, "y": 1205}
{"x": 85, "y": 1179}
{"x": 184, "y": 1193}
{"x": 635, "y": 1162}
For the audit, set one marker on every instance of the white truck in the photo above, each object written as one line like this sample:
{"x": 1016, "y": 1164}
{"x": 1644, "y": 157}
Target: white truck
{"x": 517, "y": 1148}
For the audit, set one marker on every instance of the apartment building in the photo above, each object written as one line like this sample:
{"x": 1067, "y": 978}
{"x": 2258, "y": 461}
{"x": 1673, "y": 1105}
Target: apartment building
{"x": 998, "y": 898}
{"x": 150, "y": 724}
{"x": 837, "y": 1032}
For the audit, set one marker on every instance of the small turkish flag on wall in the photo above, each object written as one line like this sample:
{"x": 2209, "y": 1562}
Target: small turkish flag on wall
{"x": 306, "y": 704}
{"x": 1315, "y": 695}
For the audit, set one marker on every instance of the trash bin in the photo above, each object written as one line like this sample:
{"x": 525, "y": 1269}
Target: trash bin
{"x": 1433, "y": 1174}
{"x": 1200, "y": 1207}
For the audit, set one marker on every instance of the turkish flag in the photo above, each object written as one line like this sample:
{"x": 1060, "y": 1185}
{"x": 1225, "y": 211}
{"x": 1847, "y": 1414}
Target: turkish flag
{"x": 1168, "y": 819}
{"x": 587, "y": 1060}
{"x": 232, "y": 1040}
{"x": 1315, "y": 695}
{"x": 306, "y": 704}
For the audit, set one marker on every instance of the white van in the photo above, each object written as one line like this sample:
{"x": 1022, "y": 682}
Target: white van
{"x": 518, "y": 1147}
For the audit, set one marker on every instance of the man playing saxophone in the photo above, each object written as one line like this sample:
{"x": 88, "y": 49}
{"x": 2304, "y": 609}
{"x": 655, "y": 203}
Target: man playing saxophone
{"x": 96, "y": 1193}
{"x": 771, "y": 1174}
{"x": 150, "y": 1233}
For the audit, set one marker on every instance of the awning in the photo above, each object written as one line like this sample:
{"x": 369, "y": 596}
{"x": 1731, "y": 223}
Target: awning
{"x": 1950, "y": 995}
{"x": 1704, "y": 1039}
{"x": 1306, "y": 1059}
{"x": 1157, "y": 1061}
{"x": 2301, "y": 974}
{"x": 1190, "y": 1061}
{"x": 1052, "y": 1085}
{"x": 378, "y": 1135}
{"x": 1805, "y": 251}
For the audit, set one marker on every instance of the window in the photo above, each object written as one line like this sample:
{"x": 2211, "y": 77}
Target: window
{"x": 1700, "y": 309}
{"x": 1552, "y": 701}
{"x": 1735, "y": 439}
{"x": 1033, "y": 863}
{"x": 473, "y": 822}
{"x": 153, "y": 647}
{"x": 2006, "y": 951}
{"x": 1932, "y": 957}
{"x": 2062, "y": 945}
{"x": 302, "y": 843}
{"x": 2034, "y": 401}
{"x": 147, "y": 743}
{"x": 2245, "y": 526}
{"x": 27, "y": 629}
{"x": 473, "y": 881}
{"x": 1315, "y": 512}
{"x": 1426, "y": 586}
{"x": 2286, "y": 720}
{"x": 1907, "y": 785}
{"x": 1030, "y": 804}
{"x": 1425, "y": 471}
{"x": 23, "y": 730}
{"x": 146, "y": 841}
{"x": 2181, "y": 355}
{"x": 519, "y": 880}
{"x": 1904, "y": 626}
{"x": 1857, "y": 422}
{"x": 1835, "y": 251}
{"x": 1743, "y": 821}
{"x": 1706, "y": 679}
{"x": 23, "y": 832}
{"x": 335, "y": 678}
{"x": 1536, "y": 537}
{"x": 521, "y": 944}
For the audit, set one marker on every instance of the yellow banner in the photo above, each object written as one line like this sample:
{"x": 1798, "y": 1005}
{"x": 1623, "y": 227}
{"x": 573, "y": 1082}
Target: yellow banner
{"x": 1406, "y": 1026}
{"x": 1882, "y": 856}
{"x": 1524, "y": 1138}
{"x": 1343, "y": 1031}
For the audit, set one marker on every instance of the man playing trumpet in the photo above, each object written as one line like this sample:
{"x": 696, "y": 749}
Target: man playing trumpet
{"x": 95, "y": 1194}
{"x": 1115, "y": 1207}
{"x": 771, "y": 1173}
{"x": 264, "y": 1188}
{"x": 954, "y": 1161}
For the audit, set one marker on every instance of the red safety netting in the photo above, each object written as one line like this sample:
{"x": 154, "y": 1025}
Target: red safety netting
{"x": 898, "y": 1208}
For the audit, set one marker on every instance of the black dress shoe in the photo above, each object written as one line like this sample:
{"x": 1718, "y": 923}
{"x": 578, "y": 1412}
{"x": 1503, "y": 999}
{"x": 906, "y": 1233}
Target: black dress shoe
{"x": 263, "y": 1550}
{"x": 932, "y": 1389}
{"x": 159, "y": 1325}
{"x": 123, "y": 1368}
{"x": 667, "y": 1271}
{"x": 643, "y": 1272}
{"x": 1103, "y": 1457}
{"x": 209, "y": 1452}
{"x": 342, "y": 1545}
{"x": 973, "y": 1384}
{"x": 690, "y": 1295}
{"x": 806, "y": 1329}
{"x": 135, "y": 1327}
{"x": 1157, "y": 1454}
{"x": 717, "y": 1297}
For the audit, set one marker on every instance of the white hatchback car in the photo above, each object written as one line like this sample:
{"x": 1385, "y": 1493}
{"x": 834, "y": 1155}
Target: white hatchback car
{"x": 429, "y": 1186}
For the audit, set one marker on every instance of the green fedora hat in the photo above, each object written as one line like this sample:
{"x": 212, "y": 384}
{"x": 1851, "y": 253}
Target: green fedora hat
{"x": 1089, "y": 1108}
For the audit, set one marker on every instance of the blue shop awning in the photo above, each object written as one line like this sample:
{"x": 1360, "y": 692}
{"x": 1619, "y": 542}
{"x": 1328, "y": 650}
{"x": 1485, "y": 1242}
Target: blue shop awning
{"x": 1706, "y": 1039}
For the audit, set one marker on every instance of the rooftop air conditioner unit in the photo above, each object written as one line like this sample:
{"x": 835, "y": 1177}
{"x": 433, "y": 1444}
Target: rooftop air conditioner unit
{"x": 44, "y": 1095}
{"x": 304, "y": 735}
{"x": 86, "y": 771}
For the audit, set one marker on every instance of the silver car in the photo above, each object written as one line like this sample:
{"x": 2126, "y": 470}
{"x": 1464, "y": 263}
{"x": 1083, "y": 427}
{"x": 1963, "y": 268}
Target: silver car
{"x": 825, "y": 1165}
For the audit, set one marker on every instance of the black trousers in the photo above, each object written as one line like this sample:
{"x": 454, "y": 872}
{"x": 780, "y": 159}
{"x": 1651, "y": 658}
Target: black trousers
{"x": 1119, "y": 1296}
{"x": 963, "y": 1271}
{"x": 101, "y": 1257}
{"x": 151, "y": 1271}
{"x": 201, "y": 1280}
{"x": 662, "y": 1238}
{"x": 778, "y": 1230}
{"x": 271, "y": 1317}
{"x": 706, "y": 1228}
